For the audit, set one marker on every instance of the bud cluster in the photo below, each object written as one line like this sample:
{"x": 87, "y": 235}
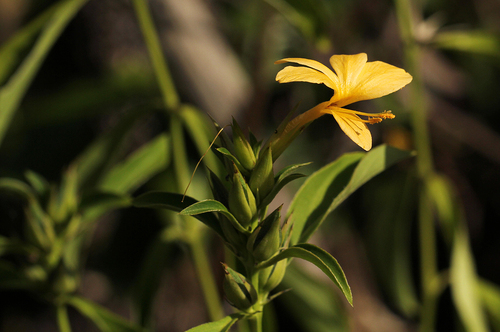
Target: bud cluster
{"x": 253, "y": 235}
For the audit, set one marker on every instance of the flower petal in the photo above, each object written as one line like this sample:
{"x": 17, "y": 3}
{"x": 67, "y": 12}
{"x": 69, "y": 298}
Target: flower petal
{"x": 303, "y": 74}
{"x": 376, "y": 79}
{"x": 347, "y": 68}
{"x": 353, "y": 127}
{"x": 315, "y": 65}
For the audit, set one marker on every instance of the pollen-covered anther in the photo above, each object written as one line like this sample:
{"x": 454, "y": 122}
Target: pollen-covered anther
{"x": 386, "y": 115}
{"x": 374, "y": 120}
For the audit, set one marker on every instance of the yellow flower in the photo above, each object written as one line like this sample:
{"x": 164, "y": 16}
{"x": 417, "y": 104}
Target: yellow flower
{"x": 352, "y": 79}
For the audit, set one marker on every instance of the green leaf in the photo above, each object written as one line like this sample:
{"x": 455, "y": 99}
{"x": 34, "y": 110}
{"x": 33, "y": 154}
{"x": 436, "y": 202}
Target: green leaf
{"x": 38, "y": 182}
{"x": 210, "y": 205}
{"x": 96, "y": 204}
{"x": 174, "y": 202}
{"x": 282, "y": 181}
{"x": 104, "y": 319}
{"x": 17, "y": 187}
{"x": 390, "y": 203}
{"x": 149, "y": 278}
{"x": 221, "y": 325}
{"x": 318, "y": 257}
{"x": 199, "y": 129}
{"x": 288, "y": 170}
{"x": 99, "y": 158}
{"x": 63, "y": 319}
{"x": 225, "y": 152}
{"x": 313, "y": 303}
{"x": 490, "y": 294}
{"x": 10, "y": 50}
{"x": 324, "y": 190}
{"x": 9, "y": 246}
{"x": 440, "y": 190}
{"x": 14, "y": 90}
{"x": 143, "y": 164}
{"x": 473, "y": 41}
{"x": 464, "y": 284}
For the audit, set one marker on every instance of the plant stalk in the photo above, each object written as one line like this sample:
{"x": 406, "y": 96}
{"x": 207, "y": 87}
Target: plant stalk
{"x": 425, "y": 168}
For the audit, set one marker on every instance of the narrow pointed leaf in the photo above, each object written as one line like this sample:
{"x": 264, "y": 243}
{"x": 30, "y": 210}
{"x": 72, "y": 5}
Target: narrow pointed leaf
{"x": 100, "y": 157}
{"x": 143, "y": 164}
{"x": 104, "y": 319}
{"x": 313, "y": 303}
{"x": 173, "y": 202}
{"x": 288, "y": 170}
{"x": 210, "y": 205}
{"x": 490, "y": 294}
{"x": 324, "y": 190}
{"x": 283, "y": 181}
{"x": 96, "y": 204}
{"x": 473, "y": 41}
{"x": 221, "y": 325}
{"x": 464, "y": 284}
{"x": 14, "y": 90}
{"x": 318, "y": 257}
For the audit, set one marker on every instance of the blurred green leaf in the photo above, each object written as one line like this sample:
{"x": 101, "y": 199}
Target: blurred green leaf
{"x": 210, "y": 205}
{"x": 149, "y": 277}
{"x": 442, "y": 194}
{"x": 95, "y": 204}
{"x": 38, "y": 182}
{"x": 390, "y": 205}
{"x": 312, "y": 303}
{"x": 222, "y": 325}
{"x": 86, "y": 97}
{"x": 10, "y": 50}
{"x": 472, "y": 41}
{"x": 324, "y": 190}
{"x": 104, "y": 319}
{"x": 147, "y": 161}
{"x": 199, "y": 129}
{"x": 17, "y": 187}
{"x": 318, "y": 257}
{"x": 464, "y": 284}
{"x": 94, "y": 163}
{"x": 13, "y": 91}
{"x": 63, "y": 319}
{"x": 490, "y": 294}
{"x": 303, "y": 23}
{"x": 9, "y": 246}
{"x": 175, "y": 202}
{"x": 64, "y": 202}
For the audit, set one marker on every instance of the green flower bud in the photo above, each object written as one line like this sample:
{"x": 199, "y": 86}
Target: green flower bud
{"x": 262, "y": 178}
{"x": 271, "y": 277}
{"x": 242, "y": 202}
{"x": 234, "y": 238}
{"x": 242, "y": 148}
{"x": 219, "y": 190}
{"x": 265, "y": 240}
{"x": 239, "y": 292}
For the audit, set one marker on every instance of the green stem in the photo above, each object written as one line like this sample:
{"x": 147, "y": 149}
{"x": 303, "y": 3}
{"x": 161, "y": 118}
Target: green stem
{"x": 206, "y": 278}
{"x": 419, "y": 109}
{"x": 180, "y": 160}
{"x": 192, "y": 231}
{"x": 63, "y": 319}
{"x": 255, "y": 322}
{"x": 167, "y": 87}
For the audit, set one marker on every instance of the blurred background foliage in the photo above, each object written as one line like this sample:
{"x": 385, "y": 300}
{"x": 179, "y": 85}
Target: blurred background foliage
{"x": 90, "y": 102}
